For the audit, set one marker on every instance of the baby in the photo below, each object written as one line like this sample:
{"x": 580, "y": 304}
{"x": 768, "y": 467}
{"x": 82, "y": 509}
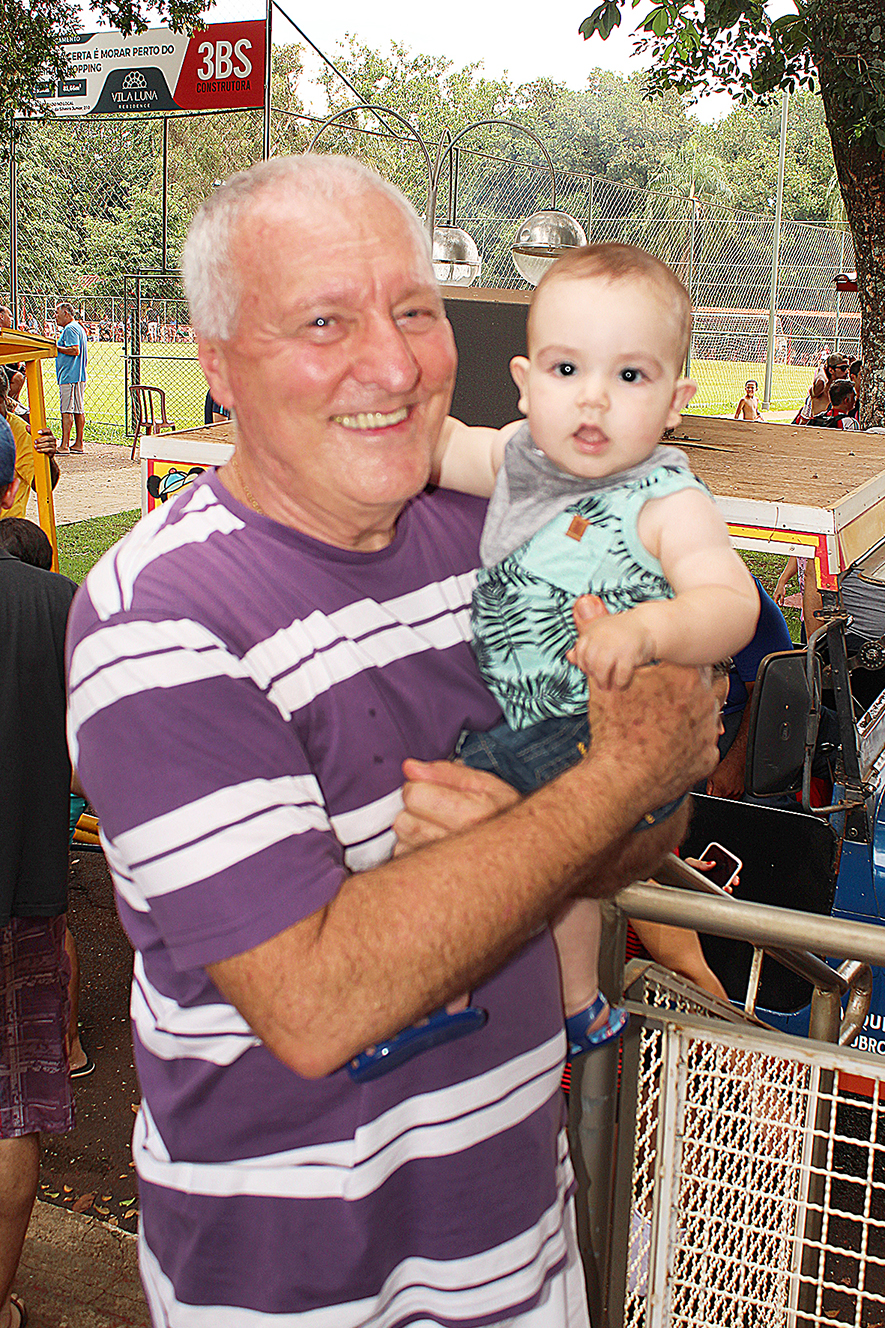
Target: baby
{"x": 586, "y": 500}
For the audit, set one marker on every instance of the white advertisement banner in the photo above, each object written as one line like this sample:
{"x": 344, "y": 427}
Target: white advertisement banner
{"x": 221, "y": 67}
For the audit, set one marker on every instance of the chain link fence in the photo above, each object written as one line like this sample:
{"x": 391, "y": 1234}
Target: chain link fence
{"x": 100, "y": 198}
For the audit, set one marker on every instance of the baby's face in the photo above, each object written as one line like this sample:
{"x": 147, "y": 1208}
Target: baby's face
{"x": 602, "y": 379}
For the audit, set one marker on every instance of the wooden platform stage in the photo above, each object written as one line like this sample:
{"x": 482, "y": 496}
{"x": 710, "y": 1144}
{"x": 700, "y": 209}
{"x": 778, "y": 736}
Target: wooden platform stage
{"x": 788, "y": 490}
{"x": 792, "y": 490}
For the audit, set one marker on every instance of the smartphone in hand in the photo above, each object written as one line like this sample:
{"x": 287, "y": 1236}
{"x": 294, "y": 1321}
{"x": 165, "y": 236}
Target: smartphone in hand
{"x": 726, "y": 865}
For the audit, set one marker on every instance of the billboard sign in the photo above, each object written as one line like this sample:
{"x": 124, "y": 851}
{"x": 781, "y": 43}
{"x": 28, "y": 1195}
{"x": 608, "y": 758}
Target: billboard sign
{"x": 221, "y": 67}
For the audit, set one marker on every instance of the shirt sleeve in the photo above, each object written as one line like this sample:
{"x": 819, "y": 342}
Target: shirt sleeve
{"x": 215, "y": 823}
{"x": 771, "y": 634}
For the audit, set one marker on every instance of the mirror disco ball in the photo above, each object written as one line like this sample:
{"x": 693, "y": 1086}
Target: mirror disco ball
{"x": 456, "y": 260}
{"x": 541, "y": 239}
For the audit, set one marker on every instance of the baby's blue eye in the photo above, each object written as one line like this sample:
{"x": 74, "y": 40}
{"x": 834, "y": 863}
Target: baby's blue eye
{"x": 564, "y": 369}
{"x": 631, "y": 375}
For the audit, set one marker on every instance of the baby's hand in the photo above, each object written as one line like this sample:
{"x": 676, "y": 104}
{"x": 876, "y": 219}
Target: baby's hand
{"x": 610, "y": 649}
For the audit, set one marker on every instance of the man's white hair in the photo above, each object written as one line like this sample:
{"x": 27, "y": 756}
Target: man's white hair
{"x": 211, "y": 281}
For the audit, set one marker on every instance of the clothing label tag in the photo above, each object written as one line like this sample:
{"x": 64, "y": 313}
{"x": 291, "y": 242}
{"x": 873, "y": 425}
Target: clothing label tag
{"x": 578, "y": 525}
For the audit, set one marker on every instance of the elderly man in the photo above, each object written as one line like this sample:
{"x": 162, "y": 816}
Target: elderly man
{"x": 249, "y": 670}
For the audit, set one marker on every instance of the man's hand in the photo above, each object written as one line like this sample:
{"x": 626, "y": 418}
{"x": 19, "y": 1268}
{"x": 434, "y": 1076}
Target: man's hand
{"x": 443, "y": 797}
{"x": 659, "y": 735}
{"x": 46, "y": 442}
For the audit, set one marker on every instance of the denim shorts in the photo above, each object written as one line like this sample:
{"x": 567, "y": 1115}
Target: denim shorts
{"x": 527, "y": 758}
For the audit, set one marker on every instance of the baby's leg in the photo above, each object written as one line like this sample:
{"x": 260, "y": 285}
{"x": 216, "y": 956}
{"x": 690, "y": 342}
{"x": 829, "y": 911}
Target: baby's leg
{"x": 576, "y": 932}
{"x": 589, "y": 1019}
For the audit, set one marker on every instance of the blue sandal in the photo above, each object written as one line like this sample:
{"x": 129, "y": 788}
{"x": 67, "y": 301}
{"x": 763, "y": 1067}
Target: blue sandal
{"x": 577, "y": 1027}
{"x": 433, "y": 1031}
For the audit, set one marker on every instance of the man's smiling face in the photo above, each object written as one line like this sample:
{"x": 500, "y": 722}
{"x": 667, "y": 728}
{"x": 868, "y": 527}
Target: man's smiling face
{"x": 341, "y": 366}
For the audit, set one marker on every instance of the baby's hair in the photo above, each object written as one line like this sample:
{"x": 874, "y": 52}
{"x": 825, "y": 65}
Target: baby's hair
{"x": 751, "y": 382}
{"x": 621, "y": 262}
{"x": 840, "y": 391}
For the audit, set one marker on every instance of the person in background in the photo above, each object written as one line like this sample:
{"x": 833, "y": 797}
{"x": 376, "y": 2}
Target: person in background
{"x": 212, "y": 412}
{"x": 771, "y": 634}
{"x": 25, "y": 459}
{"x": 70, "y": 373}
{"x": 748, "y": 406}
{"x": 854, "y": 371}
{"x": 809, "y": 595}
{"x": 834, "y": 367}
{"x": 35, "y": 786}
{"x": 25, "y": 540}
{"x": 13, "y": 373}
{"x": 841, "y": 410}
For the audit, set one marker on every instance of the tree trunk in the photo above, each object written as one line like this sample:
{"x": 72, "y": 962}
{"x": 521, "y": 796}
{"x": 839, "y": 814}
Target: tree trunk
{"x": 849, "y": 46}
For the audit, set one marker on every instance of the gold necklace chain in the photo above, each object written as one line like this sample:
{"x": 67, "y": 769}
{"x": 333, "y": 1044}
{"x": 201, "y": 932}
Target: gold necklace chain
{"x": 244, "y": 486}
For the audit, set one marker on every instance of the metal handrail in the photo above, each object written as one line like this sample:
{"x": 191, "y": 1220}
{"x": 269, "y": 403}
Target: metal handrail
{"x": 673, "y": 871}
{"x": 760, "y": 924}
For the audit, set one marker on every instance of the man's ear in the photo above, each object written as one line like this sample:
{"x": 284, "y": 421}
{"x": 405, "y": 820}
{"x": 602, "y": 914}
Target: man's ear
{"x": 682, "y": 393}
{"x": 7, "y": 497}
{"x": 214, "y": 365}
{"x": 519, "y": 372}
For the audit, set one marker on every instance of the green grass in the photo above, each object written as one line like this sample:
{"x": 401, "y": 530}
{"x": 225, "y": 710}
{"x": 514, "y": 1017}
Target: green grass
{"x": 82, "y": 543}
{"x": 721, "y": 386}
{"x": 768, "y": 567}
{"x": 172, "y": 367}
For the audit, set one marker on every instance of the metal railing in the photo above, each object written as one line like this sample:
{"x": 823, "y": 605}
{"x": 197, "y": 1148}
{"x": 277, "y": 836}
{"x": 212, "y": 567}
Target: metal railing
{"x": 749, "y": 1181}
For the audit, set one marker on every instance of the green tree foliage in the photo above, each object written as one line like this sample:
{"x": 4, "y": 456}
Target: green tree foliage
{"x": 837, "y": 47}
{"x": 611, "y": 128}
{"x": 747, "y": 141}
{"x": 31, "y": 33}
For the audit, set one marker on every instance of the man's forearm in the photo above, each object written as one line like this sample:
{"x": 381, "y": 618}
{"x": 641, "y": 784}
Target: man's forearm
{"x": 400, "y": 940}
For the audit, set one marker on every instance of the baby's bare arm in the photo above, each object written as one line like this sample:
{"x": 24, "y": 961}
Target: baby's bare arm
{"x": 714, "y": 610}
{"x": 467, "y": 458}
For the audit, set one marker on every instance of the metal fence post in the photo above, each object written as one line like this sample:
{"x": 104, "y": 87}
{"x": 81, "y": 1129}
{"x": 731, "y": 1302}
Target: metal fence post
{"x": 13, "y": 227}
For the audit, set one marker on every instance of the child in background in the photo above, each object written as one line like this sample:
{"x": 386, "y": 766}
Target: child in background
{"x": 586, "y": 500}
{"x": 748, "y": 406}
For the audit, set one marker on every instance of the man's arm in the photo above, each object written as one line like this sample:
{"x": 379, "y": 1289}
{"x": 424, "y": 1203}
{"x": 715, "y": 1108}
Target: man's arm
{"x": 728, "y": 779}
{"x": 67, "y": 350}
{"x": 399, "y": 941}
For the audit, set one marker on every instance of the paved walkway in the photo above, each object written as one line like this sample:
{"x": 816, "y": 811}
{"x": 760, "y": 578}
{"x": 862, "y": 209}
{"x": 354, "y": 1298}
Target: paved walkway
{"x": 102, "y": 481}
{"x": 75, "y": 1272}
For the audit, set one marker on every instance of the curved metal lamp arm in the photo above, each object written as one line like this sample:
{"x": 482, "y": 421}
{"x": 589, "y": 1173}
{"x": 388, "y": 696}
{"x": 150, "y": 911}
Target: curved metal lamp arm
{"x": 504, "y": 124}
{"x": 385, "y": 110}
{"x": 446, "y": 143}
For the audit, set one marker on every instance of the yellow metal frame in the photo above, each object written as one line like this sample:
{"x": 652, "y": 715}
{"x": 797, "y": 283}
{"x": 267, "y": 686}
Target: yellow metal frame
{"x": 21, "y": 347}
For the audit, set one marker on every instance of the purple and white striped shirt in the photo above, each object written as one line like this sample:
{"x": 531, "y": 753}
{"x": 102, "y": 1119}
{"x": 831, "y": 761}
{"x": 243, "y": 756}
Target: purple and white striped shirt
{"x": 241, "y": 700}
